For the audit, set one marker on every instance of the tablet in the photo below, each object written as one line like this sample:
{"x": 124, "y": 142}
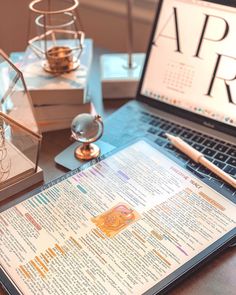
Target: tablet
{"x": 131, "y": 222}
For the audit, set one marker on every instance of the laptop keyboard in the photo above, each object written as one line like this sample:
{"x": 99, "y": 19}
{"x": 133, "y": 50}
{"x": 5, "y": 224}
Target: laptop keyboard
{"x": 220, "y": 153}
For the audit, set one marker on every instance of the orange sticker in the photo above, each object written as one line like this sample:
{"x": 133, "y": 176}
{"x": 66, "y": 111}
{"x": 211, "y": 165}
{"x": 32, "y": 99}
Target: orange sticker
{"x": 116, "y": 219}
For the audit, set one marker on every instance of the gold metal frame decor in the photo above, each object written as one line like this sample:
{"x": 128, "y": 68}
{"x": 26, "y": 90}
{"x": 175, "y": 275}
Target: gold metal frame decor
{"x": 59, "y": 42}
{"x": 15, "y": 100}
{"x": 20, "y": 138}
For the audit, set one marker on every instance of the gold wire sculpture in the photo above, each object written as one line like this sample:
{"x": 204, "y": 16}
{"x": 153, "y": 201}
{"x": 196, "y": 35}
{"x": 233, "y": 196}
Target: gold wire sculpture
{"x": 15, "y": 100}
{"x": 59, "y": 42}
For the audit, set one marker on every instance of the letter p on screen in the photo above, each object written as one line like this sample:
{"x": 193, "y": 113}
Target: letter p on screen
{"x": 214, "y": 29}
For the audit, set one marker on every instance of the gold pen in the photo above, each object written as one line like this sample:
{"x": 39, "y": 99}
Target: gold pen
{"x": 198, "y": 157}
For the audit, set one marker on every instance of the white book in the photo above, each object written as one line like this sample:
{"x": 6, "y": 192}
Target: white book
{"x": 49, "y": 89}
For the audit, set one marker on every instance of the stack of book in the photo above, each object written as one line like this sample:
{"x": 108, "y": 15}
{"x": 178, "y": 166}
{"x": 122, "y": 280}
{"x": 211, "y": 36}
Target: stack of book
{"x": 57, "y": 99}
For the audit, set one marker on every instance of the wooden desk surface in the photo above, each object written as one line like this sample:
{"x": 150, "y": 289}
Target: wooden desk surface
{"x": 217, "y": 277}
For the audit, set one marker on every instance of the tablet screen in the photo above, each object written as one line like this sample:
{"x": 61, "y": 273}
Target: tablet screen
{"x": 123, "y": 226}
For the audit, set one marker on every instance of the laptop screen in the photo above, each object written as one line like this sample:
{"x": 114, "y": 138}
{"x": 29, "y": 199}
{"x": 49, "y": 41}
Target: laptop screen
{"x": 192, "y": 59}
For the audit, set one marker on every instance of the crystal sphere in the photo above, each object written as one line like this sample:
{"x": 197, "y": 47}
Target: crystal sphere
{"x": 86, "y": 128}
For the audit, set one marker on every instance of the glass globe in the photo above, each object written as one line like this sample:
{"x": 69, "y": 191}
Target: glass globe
{"x": 86, "y": 128}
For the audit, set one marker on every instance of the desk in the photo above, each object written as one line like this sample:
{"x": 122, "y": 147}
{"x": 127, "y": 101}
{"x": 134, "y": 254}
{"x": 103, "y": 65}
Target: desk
{"x": 216, "y": 278}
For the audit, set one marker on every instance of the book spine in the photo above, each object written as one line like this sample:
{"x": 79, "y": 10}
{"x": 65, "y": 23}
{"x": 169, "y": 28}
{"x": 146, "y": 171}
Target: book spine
{"x": 61, "y": 112}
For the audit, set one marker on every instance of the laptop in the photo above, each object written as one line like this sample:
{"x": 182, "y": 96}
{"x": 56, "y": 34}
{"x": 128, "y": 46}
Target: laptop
{"x": 187, "y": 87}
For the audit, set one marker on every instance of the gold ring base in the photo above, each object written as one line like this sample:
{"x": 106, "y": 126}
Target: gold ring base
{"x": 60, "y": 70}
{"x": 59, "y": 59}
{"x": 87, "y": 152}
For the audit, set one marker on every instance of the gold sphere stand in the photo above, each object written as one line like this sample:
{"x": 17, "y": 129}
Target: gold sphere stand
{"x": 87, "y": 151}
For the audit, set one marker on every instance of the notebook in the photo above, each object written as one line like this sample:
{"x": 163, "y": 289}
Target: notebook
{"x": 133, "y": 222}
{"x": 188, "y": 87}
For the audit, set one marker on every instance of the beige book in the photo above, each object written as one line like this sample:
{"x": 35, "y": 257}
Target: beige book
{"x": 60, "y": 112}
{"x": 22, "y": 184}
{"x": 46, "y": 126}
